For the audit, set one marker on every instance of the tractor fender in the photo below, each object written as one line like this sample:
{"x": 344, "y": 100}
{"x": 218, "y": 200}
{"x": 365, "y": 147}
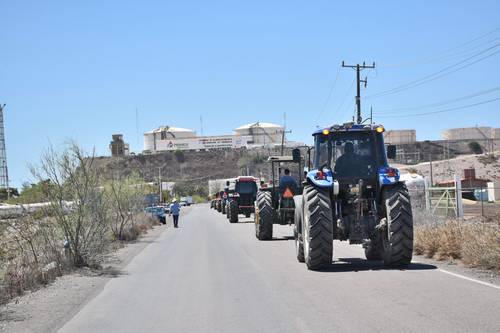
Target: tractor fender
{"x": 328, "y": 182}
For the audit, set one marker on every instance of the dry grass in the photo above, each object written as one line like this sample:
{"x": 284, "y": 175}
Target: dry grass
{"x": 475, "y": 243}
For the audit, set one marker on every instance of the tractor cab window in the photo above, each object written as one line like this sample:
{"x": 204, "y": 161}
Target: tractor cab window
{"x": 322, "y": 151}
{"x": 353, "y": 155}
{"x": 246, "y": 187}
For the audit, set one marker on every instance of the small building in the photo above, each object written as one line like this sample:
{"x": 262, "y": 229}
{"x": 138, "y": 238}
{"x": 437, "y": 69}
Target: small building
{"x": 262, "y": 133}
{"x": 118, "y": 147}
{"x": 400, "y": 137}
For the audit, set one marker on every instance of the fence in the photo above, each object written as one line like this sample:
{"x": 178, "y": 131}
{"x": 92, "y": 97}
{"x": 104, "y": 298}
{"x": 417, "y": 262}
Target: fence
{"x": 455, "y": 201}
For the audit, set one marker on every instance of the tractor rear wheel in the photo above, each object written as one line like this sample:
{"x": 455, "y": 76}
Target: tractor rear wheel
{"x": 317, "y": 227}
{"x": 228, "y": 213}
{"x": 265, "y": 218}
{"x": 233, "y": 211}
{"x": 397, "y": 237}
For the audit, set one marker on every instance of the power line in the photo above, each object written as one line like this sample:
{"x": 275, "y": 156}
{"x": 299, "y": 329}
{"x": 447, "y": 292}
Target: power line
{"x": 444, "y": 55}
{"x": 345, "y": 98}
{"x": 442, "y": 111}
{"x": 439, "y": 74}
{"x": 329, "y": 96}
{"x": 426, "y": 106}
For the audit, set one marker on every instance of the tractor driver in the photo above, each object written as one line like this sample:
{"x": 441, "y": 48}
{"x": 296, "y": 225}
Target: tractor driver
{"x": 348, "y": 165}
{"x": 288, "y": 181}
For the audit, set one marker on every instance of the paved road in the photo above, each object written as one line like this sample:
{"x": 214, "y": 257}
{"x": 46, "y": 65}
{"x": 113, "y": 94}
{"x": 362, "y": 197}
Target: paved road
{"x": 212, "y": 276}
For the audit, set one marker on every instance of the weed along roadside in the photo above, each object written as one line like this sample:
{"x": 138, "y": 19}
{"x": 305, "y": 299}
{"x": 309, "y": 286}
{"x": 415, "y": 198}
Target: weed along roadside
{"x": 85, "y": 220}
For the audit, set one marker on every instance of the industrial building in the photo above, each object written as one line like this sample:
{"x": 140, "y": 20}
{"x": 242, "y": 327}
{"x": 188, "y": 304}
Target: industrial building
{"x": 471, "y": 133}
{"x": 118, "y": 147}
{"x": 167, "y": 138}
{"x": 400, "y": 137}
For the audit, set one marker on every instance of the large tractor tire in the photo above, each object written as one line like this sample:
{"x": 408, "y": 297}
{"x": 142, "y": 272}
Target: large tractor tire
{"x": 297, "y": 231}
{"x": 228, "y": 214}
{"x": 264, "y": 216}
{"x": 397, "y": 237}
{"x": 233, "y": 211}
{"x": 224, "y": 206}
{"x": 317, "y": 227}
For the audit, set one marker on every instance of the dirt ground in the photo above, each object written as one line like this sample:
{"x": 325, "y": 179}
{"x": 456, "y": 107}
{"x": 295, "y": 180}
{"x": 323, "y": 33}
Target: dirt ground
{"x": 445, "y": 170}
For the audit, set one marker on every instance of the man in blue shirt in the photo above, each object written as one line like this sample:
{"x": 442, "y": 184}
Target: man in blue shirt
{"x": 288, "y": 181}
{"x": 175, "y": 209}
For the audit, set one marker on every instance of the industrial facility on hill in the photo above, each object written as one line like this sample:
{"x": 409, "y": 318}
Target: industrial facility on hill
{"x": 257, "y": 134}
{"x": 260, "y": 134}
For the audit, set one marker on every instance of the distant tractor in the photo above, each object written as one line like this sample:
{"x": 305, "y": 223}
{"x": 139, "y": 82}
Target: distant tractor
{"x": 353, "y": 194}
{"x": 275, "y": 204}
{"x": 241, "y": 198}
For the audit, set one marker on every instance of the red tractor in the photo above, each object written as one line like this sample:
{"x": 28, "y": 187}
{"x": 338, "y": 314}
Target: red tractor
{"x": 241, "y": 198}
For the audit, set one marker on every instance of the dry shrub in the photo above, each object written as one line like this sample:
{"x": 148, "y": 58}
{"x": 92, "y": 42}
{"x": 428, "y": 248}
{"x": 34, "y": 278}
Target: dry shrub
{"x": 426, "y": 241}
{"x": 476, "y": 244}
{"x": 450, "y": 240}
{"x": 31, "y": 255}
{"x": 481, "y": 246}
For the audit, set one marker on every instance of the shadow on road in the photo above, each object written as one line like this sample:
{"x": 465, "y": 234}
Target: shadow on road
{"x": 358, "y": 265}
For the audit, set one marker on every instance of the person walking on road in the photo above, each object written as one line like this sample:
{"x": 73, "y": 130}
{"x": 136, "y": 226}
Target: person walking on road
{"x": 175, "y": 209}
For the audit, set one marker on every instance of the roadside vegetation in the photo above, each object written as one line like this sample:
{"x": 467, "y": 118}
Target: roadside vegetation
{"x": 473, "y": 242}
{"x": 85, "y": 219}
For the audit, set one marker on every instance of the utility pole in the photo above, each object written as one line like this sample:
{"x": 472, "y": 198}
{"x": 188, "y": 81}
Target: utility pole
{"x": 4, "y": 174}
{"x": 358, "y": 67}
{"x": 159, "y": 184}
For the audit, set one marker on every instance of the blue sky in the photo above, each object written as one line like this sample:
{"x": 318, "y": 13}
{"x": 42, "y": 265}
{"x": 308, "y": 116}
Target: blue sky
{"x": 79, "y": 70}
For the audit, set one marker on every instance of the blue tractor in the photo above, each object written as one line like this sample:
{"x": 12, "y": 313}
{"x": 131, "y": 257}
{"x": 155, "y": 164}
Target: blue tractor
{"x": 352, "y": 194}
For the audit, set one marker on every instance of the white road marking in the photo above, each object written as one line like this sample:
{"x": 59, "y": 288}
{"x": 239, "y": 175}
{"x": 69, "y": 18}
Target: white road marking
{"x": 469, "y": 279}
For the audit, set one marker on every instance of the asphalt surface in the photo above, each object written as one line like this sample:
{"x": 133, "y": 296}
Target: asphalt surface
{"x": 213, "y": 276}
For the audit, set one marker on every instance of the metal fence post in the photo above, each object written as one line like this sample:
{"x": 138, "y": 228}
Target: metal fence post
{"x": 482, "y": 201}
{"x": 458, "y": 197}
{"x": 427, "y": 195}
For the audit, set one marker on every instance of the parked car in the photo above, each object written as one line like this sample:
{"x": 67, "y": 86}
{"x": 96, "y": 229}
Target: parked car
{"x": 157, "y": 211}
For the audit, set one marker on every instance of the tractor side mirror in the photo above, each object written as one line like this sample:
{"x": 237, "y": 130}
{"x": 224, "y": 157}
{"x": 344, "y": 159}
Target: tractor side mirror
{"x": 296, "y": 155}
{"x": 391, "y": 152}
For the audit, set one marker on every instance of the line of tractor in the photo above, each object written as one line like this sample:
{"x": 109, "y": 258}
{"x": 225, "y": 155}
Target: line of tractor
{"x": 345, "y": 190}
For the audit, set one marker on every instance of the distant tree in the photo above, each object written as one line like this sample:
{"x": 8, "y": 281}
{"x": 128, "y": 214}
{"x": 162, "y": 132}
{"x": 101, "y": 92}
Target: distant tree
{"x": 179, "y": 155}
{"x": 475, "y": 147}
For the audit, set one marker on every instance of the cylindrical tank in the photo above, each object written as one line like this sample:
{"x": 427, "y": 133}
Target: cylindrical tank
{"x": 261, "y": 133}
{"x": 151, "y": 138}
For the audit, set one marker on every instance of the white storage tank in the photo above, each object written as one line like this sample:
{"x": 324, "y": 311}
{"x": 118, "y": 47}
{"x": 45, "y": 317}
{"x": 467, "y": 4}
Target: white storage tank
{"x": 399, "y": 137}
{"x": 163, "y": 133}
{"x": 467, "y": 133}
{"x": 261, "y": 133}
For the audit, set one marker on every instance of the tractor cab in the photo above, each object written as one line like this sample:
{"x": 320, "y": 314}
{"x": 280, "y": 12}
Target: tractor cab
{"x": 352, "y": 155}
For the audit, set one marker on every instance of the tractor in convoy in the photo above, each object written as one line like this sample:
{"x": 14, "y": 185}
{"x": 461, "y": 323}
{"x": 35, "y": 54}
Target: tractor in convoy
{"x": 275, "y": 203}
{"x": 352, "y": 194}
{"x": 241, "y": 197}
